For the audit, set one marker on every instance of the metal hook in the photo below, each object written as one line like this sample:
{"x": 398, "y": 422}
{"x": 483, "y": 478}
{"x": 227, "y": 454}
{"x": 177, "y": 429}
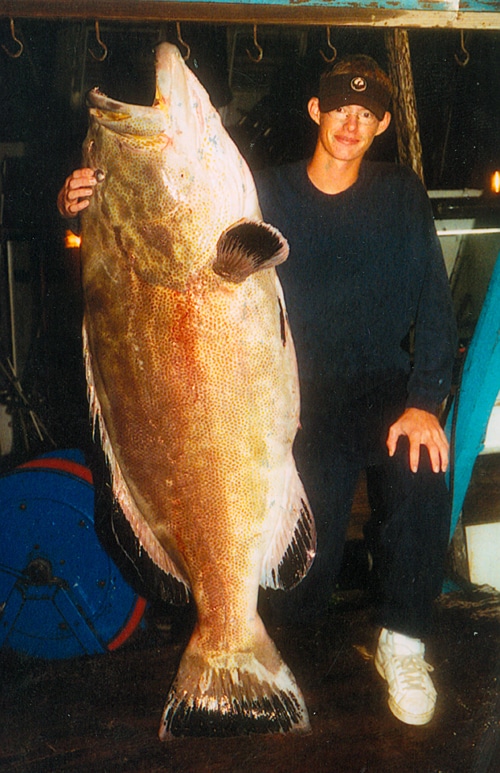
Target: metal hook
{"x": 104, "y": 47}
{"x": 183, "y": 43}
{"x": 332, "y": 48}
{"x": 259, "y": 56}
{"x": 16, "y": 40}
{"x": 465, "y": 61}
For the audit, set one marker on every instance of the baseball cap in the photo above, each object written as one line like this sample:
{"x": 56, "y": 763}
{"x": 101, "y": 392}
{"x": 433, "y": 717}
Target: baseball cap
{"x": 353, "y": 88}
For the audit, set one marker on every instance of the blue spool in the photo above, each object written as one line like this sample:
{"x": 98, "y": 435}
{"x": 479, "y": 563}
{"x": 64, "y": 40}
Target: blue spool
{"x": 61, "y": 595}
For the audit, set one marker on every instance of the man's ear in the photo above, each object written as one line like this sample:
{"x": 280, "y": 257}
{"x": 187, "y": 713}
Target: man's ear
{"x": 313, "y": 109}
{"x": 384, "y": 123}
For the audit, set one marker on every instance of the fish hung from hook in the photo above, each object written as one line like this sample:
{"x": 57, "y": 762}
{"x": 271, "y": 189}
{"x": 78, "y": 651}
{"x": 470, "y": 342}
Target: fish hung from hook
{"x": 329, "y": 59}
{"x": 183, "y": 43}
{"x": 260, "y": 50}
{"x": 104, "y": 48}
{"x": 20, "y": 49}
{"x": 463, "y": 60}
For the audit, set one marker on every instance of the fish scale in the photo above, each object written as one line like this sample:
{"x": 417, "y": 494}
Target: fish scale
{"x": 193, "y": 384}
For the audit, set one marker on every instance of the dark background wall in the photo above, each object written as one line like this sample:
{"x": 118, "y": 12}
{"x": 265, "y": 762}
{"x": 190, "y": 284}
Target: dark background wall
{"x": 43, "y": 122}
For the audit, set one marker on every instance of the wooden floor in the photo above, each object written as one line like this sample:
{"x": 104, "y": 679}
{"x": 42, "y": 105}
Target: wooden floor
{"x": 102, "y": 713}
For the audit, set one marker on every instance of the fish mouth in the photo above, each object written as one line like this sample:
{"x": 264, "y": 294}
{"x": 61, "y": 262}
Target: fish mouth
{"x": 124, "y": 118}
{"x": 98, "y": 100}
{"x": 172, "y": 112}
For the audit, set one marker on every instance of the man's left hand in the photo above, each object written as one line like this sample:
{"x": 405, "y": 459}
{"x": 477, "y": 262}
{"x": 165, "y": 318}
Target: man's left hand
{"x": 421, "y": 428}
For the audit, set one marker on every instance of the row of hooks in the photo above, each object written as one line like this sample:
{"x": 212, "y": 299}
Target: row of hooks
{"x": 104, "y": 49}
{"x": 257, "y": 58}
{"x": 461, "y": 60}
{"x": 260, "y": 50}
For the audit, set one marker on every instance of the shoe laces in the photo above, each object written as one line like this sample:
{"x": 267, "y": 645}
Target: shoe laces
{"x": 412, "y": 670}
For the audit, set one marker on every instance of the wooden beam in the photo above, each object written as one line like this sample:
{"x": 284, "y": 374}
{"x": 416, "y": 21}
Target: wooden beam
{"x": 404, "y": 101}
{"x": 308, "y": 12}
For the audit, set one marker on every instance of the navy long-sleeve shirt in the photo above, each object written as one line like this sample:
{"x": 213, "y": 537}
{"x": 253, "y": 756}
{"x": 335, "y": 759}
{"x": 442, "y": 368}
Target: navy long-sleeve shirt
{"x": 365, "y": 268}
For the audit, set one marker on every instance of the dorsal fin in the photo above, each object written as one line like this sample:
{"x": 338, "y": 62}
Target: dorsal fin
{"x": 247, "y": 247}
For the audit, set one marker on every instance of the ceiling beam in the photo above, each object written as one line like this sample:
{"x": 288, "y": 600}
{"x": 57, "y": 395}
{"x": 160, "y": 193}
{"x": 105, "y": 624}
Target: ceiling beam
{"x": 289, "y": 12}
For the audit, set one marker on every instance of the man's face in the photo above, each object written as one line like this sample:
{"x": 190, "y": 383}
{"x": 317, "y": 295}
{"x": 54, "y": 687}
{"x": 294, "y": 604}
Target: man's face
{"x": 347, "y": 132}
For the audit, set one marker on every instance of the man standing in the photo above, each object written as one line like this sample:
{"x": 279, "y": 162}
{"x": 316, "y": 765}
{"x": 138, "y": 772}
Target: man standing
{"x": 371, "y": 315}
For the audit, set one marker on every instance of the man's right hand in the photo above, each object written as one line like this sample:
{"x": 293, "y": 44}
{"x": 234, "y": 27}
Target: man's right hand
{"x": 76, "y": 191}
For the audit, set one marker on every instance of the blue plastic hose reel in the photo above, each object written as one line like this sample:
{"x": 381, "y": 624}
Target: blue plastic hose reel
{"x": 61, "y": 595}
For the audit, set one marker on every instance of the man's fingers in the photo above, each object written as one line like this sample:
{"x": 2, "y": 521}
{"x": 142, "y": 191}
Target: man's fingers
{"x": 438, "y": 455}
{"x": 78, "y": 193}
{"x": 422, "y": 429}
{"x": 82, "y": 174}
{"x": 441, "y": 464}
{"x": 435, "y": 458}
{"x": 414, "y": 456}
{"x": 77, "y": 206}
{"x": 76, "y": 183}
{"x": 392, "y": 441}
{"x": 77, "y": 190}
{"x": 438, "y": 451}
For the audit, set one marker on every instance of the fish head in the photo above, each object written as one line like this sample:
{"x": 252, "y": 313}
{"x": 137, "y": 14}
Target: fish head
{"x": 207, "y": 158}
{"x": 170, "y": 179}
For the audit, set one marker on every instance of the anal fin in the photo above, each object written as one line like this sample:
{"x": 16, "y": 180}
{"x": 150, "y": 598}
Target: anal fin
{"x": 293, "y": 547}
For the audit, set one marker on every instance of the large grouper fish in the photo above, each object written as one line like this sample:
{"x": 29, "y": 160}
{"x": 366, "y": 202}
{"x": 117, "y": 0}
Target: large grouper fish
{"x": 193, "y": 384}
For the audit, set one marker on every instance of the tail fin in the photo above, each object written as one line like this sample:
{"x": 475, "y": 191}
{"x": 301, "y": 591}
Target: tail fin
{"x": 232, "y": 694}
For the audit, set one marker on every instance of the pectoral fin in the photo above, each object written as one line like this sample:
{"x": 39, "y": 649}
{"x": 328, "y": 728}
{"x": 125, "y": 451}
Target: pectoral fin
{"x": 248, "y": 247}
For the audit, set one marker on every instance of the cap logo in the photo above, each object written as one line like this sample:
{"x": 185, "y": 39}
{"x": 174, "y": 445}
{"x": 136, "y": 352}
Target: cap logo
{"x": 358, "y": 84}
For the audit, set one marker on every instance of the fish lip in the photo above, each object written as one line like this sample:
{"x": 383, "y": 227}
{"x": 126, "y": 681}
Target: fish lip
{"x": 97, "y": 99}
{"x": 117, "y": 116}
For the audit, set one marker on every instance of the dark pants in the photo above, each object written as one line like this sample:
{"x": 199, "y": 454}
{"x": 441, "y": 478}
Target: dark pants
{"x": 407, "y": 534}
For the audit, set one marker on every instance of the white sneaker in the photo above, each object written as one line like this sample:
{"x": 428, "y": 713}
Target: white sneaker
{"x": 400, "y": 661}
